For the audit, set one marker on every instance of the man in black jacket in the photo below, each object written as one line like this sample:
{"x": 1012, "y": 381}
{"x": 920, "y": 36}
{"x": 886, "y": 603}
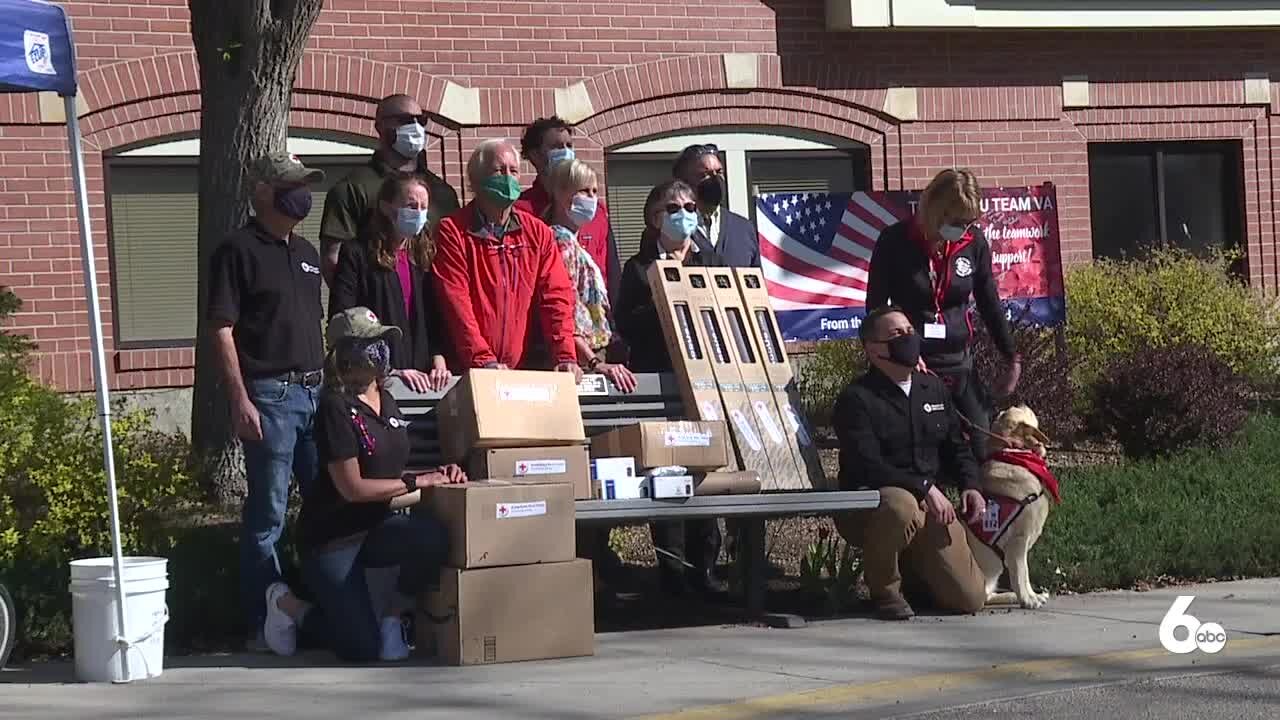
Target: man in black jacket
{"x": 728, "y": 234}
{"x": 900, "y": 434}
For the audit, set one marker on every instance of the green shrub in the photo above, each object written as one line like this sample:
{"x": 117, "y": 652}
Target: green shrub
{"x": 53, "y": 497}
{"x": 1169, "y": 298}
{"x": 825, "y": 373}
{"x": 1197, "y": 515}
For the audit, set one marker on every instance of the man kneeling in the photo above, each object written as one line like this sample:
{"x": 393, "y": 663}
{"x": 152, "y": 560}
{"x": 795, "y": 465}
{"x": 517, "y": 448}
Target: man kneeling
{"x": 899, "y": 433}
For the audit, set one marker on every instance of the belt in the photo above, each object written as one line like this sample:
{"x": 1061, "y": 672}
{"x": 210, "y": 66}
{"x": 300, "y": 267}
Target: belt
{"x": 306, "y": 379}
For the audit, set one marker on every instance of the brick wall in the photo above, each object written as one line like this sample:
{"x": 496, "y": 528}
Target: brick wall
{"x": 990, "y": 100}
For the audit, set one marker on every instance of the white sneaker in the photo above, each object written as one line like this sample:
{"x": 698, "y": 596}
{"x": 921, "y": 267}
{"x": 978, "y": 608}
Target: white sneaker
{"x": 279, "y": 630}
{"x": 394, "y": 645}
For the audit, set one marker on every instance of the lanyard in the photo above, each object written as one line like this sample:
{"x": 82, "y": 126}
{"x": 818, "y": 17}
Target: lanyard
{"x": 940, "y": 286}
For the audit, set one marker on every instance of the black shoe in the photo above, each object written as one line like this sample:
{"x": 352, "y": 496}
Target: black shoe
{"x": 706, "y": 582}
{"x": 892, "y": 607}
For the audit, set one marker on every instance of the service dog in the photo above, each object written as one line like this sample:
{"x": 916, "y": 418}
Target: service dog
{"x": 1019, "y": 490}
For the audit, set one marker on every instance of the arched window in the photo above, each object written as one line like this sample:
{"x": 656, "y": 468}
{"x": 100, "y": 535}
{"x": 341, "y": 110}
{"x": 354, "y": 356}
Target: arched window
{"x": 756, "y": 160}
{"x": 152, "y": 225}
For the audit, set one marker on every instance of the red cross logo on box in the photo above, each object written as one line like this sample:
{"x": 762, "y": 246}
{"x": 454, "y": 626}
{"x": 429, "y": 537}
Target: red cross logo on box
{"x": 503, "y": 511}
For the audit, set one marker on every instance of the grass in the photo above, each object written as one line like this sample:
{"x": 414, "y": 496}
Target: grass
{"x": 1198, "y": 515}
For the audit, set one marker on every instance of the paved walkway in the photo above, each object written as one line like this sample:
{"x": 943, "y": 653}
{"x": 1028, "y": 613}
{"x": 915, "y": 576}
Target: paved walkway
{"x": 845, "y": 668}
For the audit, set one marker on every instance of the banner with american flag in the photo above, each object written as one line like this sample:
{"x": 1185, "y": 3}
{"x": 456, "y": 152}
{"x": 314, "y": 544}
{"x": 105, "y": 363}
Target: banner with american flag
{"x": 815, "y": 251}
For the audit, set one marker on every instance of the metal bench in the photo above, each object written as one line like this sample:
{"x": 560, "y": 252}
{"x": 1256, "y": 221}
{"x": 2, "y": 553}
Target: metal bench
{"x": 657, "y": 397}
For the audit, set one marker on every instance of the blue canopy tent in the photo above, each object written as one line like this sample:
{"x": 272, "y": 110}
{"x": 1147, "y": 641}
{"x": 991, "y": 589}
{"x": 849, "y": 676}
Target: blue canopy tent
{"x": 37, "y": 55}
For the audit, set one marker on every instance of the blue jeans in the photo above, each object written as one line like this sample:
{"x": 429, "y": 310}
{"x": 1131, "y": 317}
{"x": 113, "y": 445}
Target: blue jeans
{"x": 287, "y": 450}
{"x": 344, "y": 618}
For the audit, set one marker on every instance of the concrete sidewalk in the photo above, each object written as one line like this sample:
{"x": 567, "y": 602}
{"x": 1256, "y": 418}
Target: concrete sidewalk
{"x": 845, "y": 668}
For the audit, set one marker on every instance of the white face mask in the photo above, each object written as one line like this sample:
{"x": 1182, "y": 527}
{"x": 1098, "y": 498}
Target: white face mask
{"x": 952, "y": 233}
{"x": 410, "y": 139}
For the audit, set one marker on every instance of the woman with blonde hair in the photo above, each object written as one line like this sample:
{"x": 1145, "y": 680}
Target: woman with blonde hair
{"x": 388, "y": 270}
{"x": 932, "y": 265}
{"x": 574, "y": 197}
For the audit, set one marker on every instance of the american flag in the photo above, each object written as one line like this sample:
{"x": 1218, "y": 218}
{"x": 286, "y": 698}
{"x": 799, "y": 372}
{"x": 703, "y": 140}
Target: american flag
{"x": 815, "y": 248}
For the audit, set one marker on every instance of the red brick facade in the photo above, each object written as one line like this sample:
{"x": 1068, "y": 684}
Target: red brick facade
{"x": 991, "y": 100}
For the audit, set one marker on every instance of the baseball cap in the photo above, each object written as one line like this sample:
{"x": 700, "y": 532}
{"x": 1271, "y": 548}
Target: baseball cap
{"x": 283, "y": 167}
{"x": 357, "y": 322}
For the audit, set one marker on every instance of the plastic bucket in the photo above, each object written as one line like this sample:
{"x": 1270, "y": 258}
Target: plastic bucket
{"x": 99, "y": 650}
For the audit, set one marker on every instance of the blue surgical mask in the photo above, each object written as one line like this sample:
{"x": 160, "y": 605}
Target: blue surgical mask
{"x": 555, "y": 156}
{"x": 410, "y": 139}
{"x": 678, "y": 227}
{"x": 410, "y": 221}
{"x": 952, "y": 233}
{"x": 582, "y": 209}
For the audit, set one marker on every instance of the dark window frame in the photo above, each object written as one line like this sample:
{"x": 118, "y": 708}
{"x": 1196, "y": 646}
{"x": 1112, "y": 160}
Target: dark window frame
{"x": 1233, "y": 193}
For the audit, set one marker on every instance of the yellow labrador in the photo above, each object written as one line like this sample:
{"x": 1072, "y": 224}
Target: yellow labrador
{"x": 1019, "y": 490}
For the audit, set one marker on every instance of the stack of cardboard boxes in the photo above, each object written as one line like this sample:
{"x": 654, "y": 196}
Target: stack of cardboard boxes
{"x": 513, "y": 589}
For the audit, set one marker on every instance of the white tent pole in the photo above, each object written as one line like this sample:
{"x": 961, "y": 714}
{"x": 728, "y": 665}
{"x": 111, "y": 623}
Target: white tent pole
{"x": 102, "y": 391}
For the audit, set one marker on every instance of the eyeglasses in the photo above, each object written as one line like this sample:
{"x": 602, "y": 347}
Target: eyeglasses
{"x": 406, "y": 118}
{"x": 676, "y": 207}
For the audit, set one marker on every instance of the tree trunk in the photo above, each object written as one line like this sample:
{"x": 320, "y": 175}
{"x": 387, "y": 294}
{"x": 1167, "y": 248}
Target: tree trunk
{"x": 249, "y": 52}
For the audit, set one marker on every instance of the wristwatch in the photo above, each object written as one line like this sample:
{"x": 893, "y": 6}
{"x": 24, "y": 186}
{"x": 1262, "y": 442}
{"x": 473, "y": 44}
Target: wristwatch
{"x": 594, "y": 362}
{"x": 410, "y": 481}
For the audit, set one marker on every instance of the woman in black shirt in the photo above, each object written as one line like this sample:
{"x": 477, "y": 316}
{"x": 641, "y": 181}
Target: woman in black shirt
{"x": 347, "y": 523}
{"x": 388, "y": 270}
{"x": 931, "y": 265}
{"x": 671, "y": 217}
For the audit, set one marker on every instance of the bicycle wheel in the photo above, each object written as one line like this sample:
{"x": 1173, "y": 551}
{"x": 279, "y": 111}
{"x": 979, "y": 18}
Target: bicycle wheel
{"x": 8, "y": 625}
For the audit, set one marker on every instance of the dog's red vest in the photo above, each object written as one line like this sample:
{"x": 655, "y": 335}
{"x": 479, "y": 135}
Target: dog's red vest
{"x": 1002, "y": 511}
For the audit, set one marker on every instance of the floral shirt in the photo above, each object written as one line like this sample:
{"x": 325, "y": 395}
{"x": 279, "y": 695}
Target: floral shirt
{"x": 591, "y": 317}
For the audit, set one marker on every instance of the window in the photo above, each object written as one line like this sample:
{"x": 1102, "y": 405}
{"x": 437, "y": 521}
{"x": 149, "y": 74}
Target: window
{"x": 1165, "y": 195}
{"x": 756, "y": 159}
{"x": 152, "y": 212}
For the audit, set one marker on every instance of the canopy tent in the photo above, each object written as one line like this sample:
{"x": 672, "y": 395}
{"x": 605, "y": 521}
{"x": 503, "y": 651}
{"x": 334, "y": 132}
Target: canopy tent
{"x": 37, "y": 55}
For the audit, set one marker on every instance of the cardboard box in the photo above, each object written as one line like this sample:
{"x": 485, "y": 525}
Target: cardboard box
{"x": 509, "y": 614}
{"x": 666, "y": 487}
{"x": 655, "y": 443}
{"x": 782, "y": 471}
{"x": 769, "y": 346}
{"x": 686, "y": 341}
{"x": 619, "y": 488}
{"x": 750, "y": 441}
{"x": 498, "y": 522}
{"x": 612, "y": 468}
{"x": 509, "y": 408}
{"x": 563, "y": 463}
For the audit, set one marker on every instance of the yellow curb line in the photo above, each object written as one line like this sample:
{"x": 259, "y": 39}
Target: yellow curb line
{"x": 916, "y": 686}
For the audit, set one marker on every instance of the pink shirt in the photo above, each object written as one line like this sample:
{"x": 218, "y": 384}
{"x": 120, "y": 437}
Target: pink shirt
{"x": 404, "y": 270}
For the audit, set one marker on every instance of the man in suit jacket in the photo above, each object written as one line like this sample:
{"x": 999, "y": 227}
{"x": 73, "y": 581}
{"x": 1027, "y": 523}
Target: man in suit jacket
{"x": 728, "y": 234}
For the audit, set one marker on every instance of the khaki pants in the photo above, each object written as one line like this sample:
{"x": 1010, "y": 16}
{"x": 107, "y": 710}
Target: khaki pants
{"x": 898, "y": 538}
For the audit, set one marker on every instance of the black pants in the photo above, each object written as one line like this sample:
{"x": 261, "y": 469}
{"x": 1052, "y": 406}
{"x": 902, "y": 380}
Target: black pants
{"x": 972, "y": 401}
{"x": 697, "y": 542}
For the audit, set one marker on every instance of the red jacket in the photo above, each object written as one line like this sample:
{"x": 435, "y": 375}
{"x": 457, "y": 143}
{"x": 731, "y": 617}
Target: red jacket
{"x": 594, "y": 236}
{"x": 489, "y": 288}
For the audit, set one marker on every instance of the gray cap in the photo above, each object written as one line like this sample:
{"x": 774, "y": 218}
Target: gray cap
{"x": 283, "y": 167}
{"x": 357, "y": 322}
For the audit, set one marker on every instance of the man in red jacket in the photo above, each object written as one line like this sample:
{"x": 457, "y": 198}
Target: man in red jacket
{"x": 496, "y": 267}
{"x": 546, "y": 142}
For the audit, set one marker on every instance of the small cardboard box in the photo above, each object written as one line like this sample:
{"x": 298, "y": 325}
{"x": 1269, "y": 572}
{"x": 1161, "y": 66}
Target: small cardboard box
{"x": 563, "y": 463}
{"x": 665, "y": 487}
{"x": 499, "y": 522}
{"x": 509, "y": 614}
{"x": 509, "y": 408}
{"x": 630, "y": 487}
{"x": 612, "y": 468}
{"x": 655, "y": 443}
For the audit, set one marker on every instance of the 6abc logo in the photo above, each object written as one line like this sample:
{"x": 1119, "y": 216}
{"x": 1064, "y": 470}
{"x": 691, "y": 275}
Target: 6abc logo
{"x": 1208, "y": 637}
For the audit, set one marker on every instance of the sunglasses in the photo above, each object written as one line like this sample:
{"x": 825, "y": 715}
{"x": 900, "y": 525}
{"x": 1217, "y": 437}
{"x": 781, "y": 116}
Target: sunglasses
{"x": 676, "y": 207}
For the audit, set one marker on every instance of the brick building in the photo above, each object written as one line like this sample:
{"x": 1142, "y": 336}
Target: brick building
{"x": 1158, "y": 126}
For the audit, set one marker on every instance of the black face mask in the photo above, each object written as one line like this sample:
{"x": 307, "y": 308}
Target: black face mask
{"x": 904, "y": 350}
{"x": 711, "y": 191}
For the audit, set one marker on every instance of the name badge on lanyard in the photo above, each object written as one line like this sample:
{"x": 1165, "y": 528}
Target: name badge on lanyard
{"x": 935, "y": 331}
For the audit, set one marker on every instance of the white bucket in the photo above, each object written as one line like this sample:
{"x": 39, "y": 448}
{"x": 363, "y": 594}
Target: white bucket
{"x": 98, "y": 648}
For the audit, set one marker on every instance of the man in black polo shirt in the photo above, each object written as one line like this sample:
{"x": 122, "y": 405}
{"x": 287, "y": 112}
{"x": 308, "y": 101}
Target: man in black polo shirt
{"x": 264, "y": 308}
{"x": 399, "y": 122}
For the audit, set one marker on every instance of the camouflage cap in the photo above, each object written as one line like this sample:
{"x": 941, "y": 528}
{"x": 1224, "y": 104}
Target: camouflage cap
{"x": 357, "y": 322}
{"x": 283, "y": 167}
